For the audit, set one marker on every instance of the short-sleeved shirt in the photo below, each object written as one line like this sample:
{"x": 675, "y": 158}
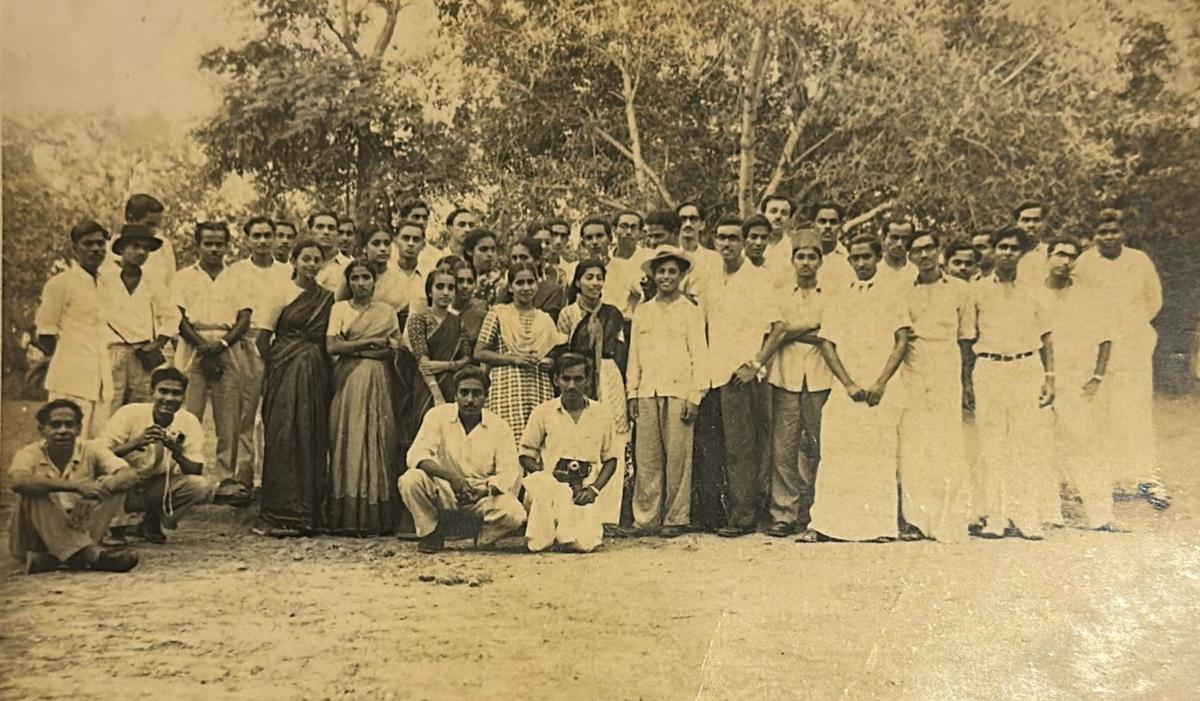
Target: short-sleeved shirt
{"x": 333, "y": 274}
{"x": 138, "y": 316}
{"x": 1010, "y": 318}
{"x": 71, "y": 309}
{"x": 90, "y": 461}
{"x": 552, "y": 435}
{"x": 259, "y": 284}
{"x": 796, "y": 366}
{"x": 1080, "y": 322}
{"x": 941, "y": 311}
{"x": 862, "y": 321}
{"x": 487, "y": 456}
{"x": 129, "y": 421}
{"x": 210, "y": 303}
{"x": 835, "y": 272}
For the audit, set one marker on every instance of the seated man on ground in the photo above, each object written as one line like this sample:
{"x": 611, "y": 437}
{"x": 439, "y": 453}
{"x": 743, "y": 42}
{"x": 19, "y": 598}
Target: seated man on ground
{"x": 463, "y": 459}
{"x": 567, "y": 449}
{"x": 68, "y": 490}
{"x": 163, "y": 443}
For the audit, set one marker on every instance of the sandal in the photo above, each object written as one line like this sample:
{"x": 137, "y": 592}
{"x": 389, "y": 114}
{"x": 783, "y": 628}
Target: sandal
{"x": 779, "y": 529}
{"x": 810, "y": 536}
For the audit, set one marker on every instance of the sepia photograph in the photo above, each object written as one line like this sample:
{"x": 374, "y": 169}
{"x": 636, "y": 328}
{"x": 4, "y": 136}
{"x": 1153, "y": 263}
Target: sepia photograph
{"x": 600, "y": 349}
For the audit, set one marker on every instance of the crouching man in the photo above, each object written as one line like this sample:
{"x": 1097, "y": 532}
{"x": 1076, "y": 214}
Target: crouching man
{"x": 164, "y": 444}
{"x": 464, "y": 458}
{"x": 68, "y": 491}
{"x": 567, "y": 449}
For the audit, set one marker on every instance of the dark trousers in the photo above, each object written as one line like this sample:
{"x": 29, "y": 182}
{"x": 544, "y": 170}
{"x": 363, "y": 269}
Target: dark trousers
{"x": 708, "y": 466}
{"x": 796, "y": 453}
{"x": 745, "y": 419}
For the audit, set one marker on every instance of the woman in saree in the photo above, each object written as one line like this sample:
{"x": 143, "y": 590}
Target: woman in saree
{"x": 549, "y": 296}
{"x": 597, "y": 331}
{"x": 364, "y": 453}
{"x": 436, "y": 338}
{"x": 470, "y": 309}
{"x": 296, "y": 391}
{"x": 479, "y": 249}
{"x": 515, "y": 343}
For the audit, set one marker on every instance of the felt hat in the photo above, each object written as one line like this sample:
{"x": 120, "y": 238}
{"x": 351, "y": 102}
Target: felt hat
{"x": 667, "y": 253}
{"x": 137, "y": 232}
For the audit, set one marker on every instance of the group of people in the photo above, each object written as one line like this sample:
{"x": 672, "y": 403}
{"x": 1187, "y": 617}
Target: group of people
{"x": 780, "y": 373}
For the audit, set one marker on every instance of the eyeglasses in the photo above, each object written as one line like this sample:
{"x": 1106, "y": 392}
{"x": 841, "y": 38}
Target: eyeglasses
{"x": 689, "y": 217}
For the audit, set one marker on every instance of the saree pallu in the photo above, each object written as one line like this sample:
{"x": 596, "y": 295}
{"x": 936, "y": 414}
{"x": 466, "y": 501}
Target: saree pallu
{"x": 445, "y": 343}
{"x": 296, "y": 392}
{"x": 364, "y": 453}
{"x": 600, "y": 336}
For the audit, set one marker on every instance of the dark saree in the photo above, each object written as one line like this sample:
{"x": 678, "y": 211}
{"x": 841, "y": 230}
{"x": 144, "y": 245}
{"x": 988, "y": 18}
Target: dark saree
{"x": 297, "y": 388}
{"x": 445, "y": 343}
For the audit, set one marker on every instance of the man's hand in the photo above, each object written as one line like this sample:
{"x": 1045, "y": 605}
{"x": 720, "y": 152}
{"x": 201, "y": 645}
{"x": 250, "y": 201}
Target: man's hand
{"x": 690, "y": 412}
{"x": 90, "y": 490}
{"x": 210, "y": 349}
{"x": 968, "y": 397}
{"x": 632, "y": 408}
{"x": 856, "y": 393}
{"x": 468, "y": 495}
{"x": 1047, "y": 396}
{"x": 745, "y": 373}
{"x": 586, "y": 496}
{"x": 1091, "y": 387}
{"x": 874, "y": 395}
{"x": 152, "y": 434}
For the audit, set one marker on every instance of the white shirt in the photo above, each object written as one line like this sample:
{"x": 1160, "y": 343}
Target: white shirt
{"x": 551, "y": 435}
{"x": 861, "y": 321}
{"x": 486, "y": 456}
{"x": 1080, "y": 322}
{"x": 146, "y": 313}
{"x": 210, "y": 302}
{"x": 940, "y": 311}
{"x": 257, "y": 284}
{"x": 129, "y": 421}
{"x": 798, "y": 365}
{"x": 71, "y": 310}
{"x": 835, "y": 272}
{"x": 1033, "y": 266}
{"x": 1010, "y": 318}
{"x": 737, "y": 318}
{"x": 668, "y": 354}
{"x": 1129, "y": 282}
{"x": 159, "y": 266}
{"x": 887, "y": 275}
{"x": 333, "y": 274}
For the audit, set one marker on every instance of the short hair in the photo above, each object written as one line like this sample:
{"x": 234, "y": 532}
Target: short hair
{"x": 408, "y": 206}
{"x": 288, "y": 224}
{"x": 598, "y": 221}
{"x": 407, "y": 222}
{"x": 1063, "y": 241}
{"x": 344, "y": 218}
{"x": 171, "y": 374}
{"x": 956, "y": 246}
{"x": 729, "y": 220}
{"x": 320, "y": 213}
{"x": 515, "y": 268}
{"x": 203, "y": 226}
{"x": 351, "y": 266}
{"x": 363, "y": 235}
{"x": 897, "y": 220}
{"x": 474, "y": 236}
{"x": 756, "y": 220}
{"x": 665, "y": 218}
{"x": 937, "y": 239}
{"x": 580, "y": 268}
{"x": 981, "y": 232}
{"x": 86, "y": 227}
{"x": 532, "y": 245}
{"x": 841, "y": 211}
{"x": 617, "y": 217}
{"x": 255, "y": 221}
{"x": 301, "y": 244}
{"x": 557, "y": 221}
{"x": 762, "y": 205}
{"x": 140, "y": 205}
{"x": 873, "y": 242}
{"x": 472, "y": 372}
{"x": 1010, "y": 232}
{"x": 1028, "y": 204}
{"x": 43, "y": 414}
{"x": 570, "y": 359}
{"x": 433, "y": 276}
{"x": 689, "y": 203}
{"x": 535, "y": 226}
{"x": 454, "y": 215}
{"x": 1109, "y": 215}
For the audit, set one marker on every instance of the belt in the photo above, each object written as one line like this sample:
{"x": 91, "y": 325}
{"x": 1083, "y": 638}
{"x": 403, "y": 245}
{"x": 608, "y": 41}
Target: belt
{"x": 1004, "y": 358}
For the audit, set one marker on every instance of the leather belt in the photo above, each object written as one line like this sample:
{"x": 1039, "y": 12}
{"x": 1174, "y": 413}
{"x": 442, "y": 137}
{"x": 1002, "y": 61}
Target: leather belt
{"x": 1004, "y": 358}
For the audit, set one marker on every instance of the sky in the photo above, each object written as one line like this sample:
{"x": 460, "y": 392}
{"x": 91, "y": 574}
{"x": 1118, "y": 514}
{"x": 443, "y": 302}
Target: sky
{"x": 135, "y": 57}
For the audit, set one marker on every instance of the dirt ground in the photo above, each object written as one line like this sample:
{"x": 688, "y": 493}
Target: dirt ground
{"x": 220, "y": 613}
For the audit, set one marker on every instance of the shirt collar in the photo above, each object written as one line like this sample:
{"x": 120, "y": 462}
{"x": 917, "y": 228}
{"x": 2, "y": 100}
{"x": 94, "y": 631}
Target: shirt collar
{"x": 76, "y": 454}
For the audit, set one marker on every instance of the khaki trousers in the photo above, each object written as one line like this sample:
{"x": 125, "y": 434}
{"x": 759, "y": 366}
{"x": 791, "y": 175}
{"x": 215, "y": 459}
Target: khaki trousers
{"x": 662, "y": 488}
{"x": 427, "y": 497}
{"x": 235, "y": 443}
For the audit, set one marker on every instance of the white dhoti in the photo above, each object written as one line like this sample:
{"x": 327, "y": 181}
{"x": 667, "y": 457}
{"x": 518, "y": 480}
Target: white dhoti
{"x": 1014, "y": 444}
{"x": 855, "y": 495}
{"x": 554, "y": 517}
{"x": 1129, "y": 420}
{"x": 933, "y": 465}
{"x": 1084, "y": 451}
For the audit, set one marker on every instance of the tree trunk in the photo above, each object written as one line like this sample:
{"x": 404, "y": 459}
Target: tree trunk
{"x": 751, "y": 95}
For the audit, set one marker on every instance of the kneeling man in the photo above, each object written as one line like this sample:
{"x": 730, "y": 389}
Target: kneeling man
{"x": 164, "y": 444}
{"x": 463, "y": 459}
{"x": 68, "y": 490}
{"x": 567, "y": 449}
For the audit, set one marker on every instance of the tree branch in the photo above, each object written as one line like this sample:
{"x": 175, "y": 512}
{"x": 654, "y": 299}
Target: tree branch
{"x": 638, "y": 163}
{"x": 869, "y": 214}
{"x": 343, "y": 38}
{"x": 1021, "y": 68}
{"x": 751, "y": 94}
{"x": 392, "y": 7}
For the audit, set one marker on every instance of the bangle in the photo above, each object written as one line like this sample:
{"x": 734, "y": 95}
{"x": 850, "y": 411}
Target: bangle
{"x": 1098, "y": 378}
{"x": 224, "y": 343}
{"x": 594, "y": 490}
{"x": 1049, "y": 374}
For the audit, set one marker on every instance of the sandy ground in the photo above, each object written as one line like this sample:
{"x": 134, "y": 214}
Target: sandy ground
{"x": 219, "y": 612}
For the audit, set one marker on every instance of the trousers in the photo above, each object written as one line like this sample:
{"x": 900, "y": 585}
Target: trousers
{"x": 427, "y": 497}
{"x": 235, "y": 440}
{"x": 131, "y": 381}
{"x": 744, "y": 412}
{"x": 662, "y": 490}
{"x": 795, "y": 453}
{"x": 40, "y": 525}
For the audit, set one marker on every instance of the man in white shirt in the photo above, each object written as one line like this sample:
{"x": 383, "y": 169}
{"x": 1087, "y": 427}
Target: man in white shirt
{"x": 758, "y": 231}
{"x": 259, "y": 277}
{"x": 464, "y": 458}
{"x": 70, "y": 329}
{"x": 732, "y": 299}
{"x": 323, "y": 226}
{"x": 285, "y": 238}
{"x": 622, "y": 277}
{"x": 693, "y": 241}
{"x": 567, "y": 450}
{"x": 864, "y": 333}
{"x": 1128, "y": 281}
{"x": 779, "y": 211}
{"x": 932, "y": 470}
{"x": 140, "y": 316}
{"x": 1083, "y": 333}
{"x": 215, "y": 355}
{"x": 836, "y": 273}
{"x": 1030, "y": 217}
{"x": 1013, "y": 381}
{"x": 164, "y": 444}
{"x": 895, "y": 269}
{"x": 147, "y": 211}
{"x": 799, "y": 380}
